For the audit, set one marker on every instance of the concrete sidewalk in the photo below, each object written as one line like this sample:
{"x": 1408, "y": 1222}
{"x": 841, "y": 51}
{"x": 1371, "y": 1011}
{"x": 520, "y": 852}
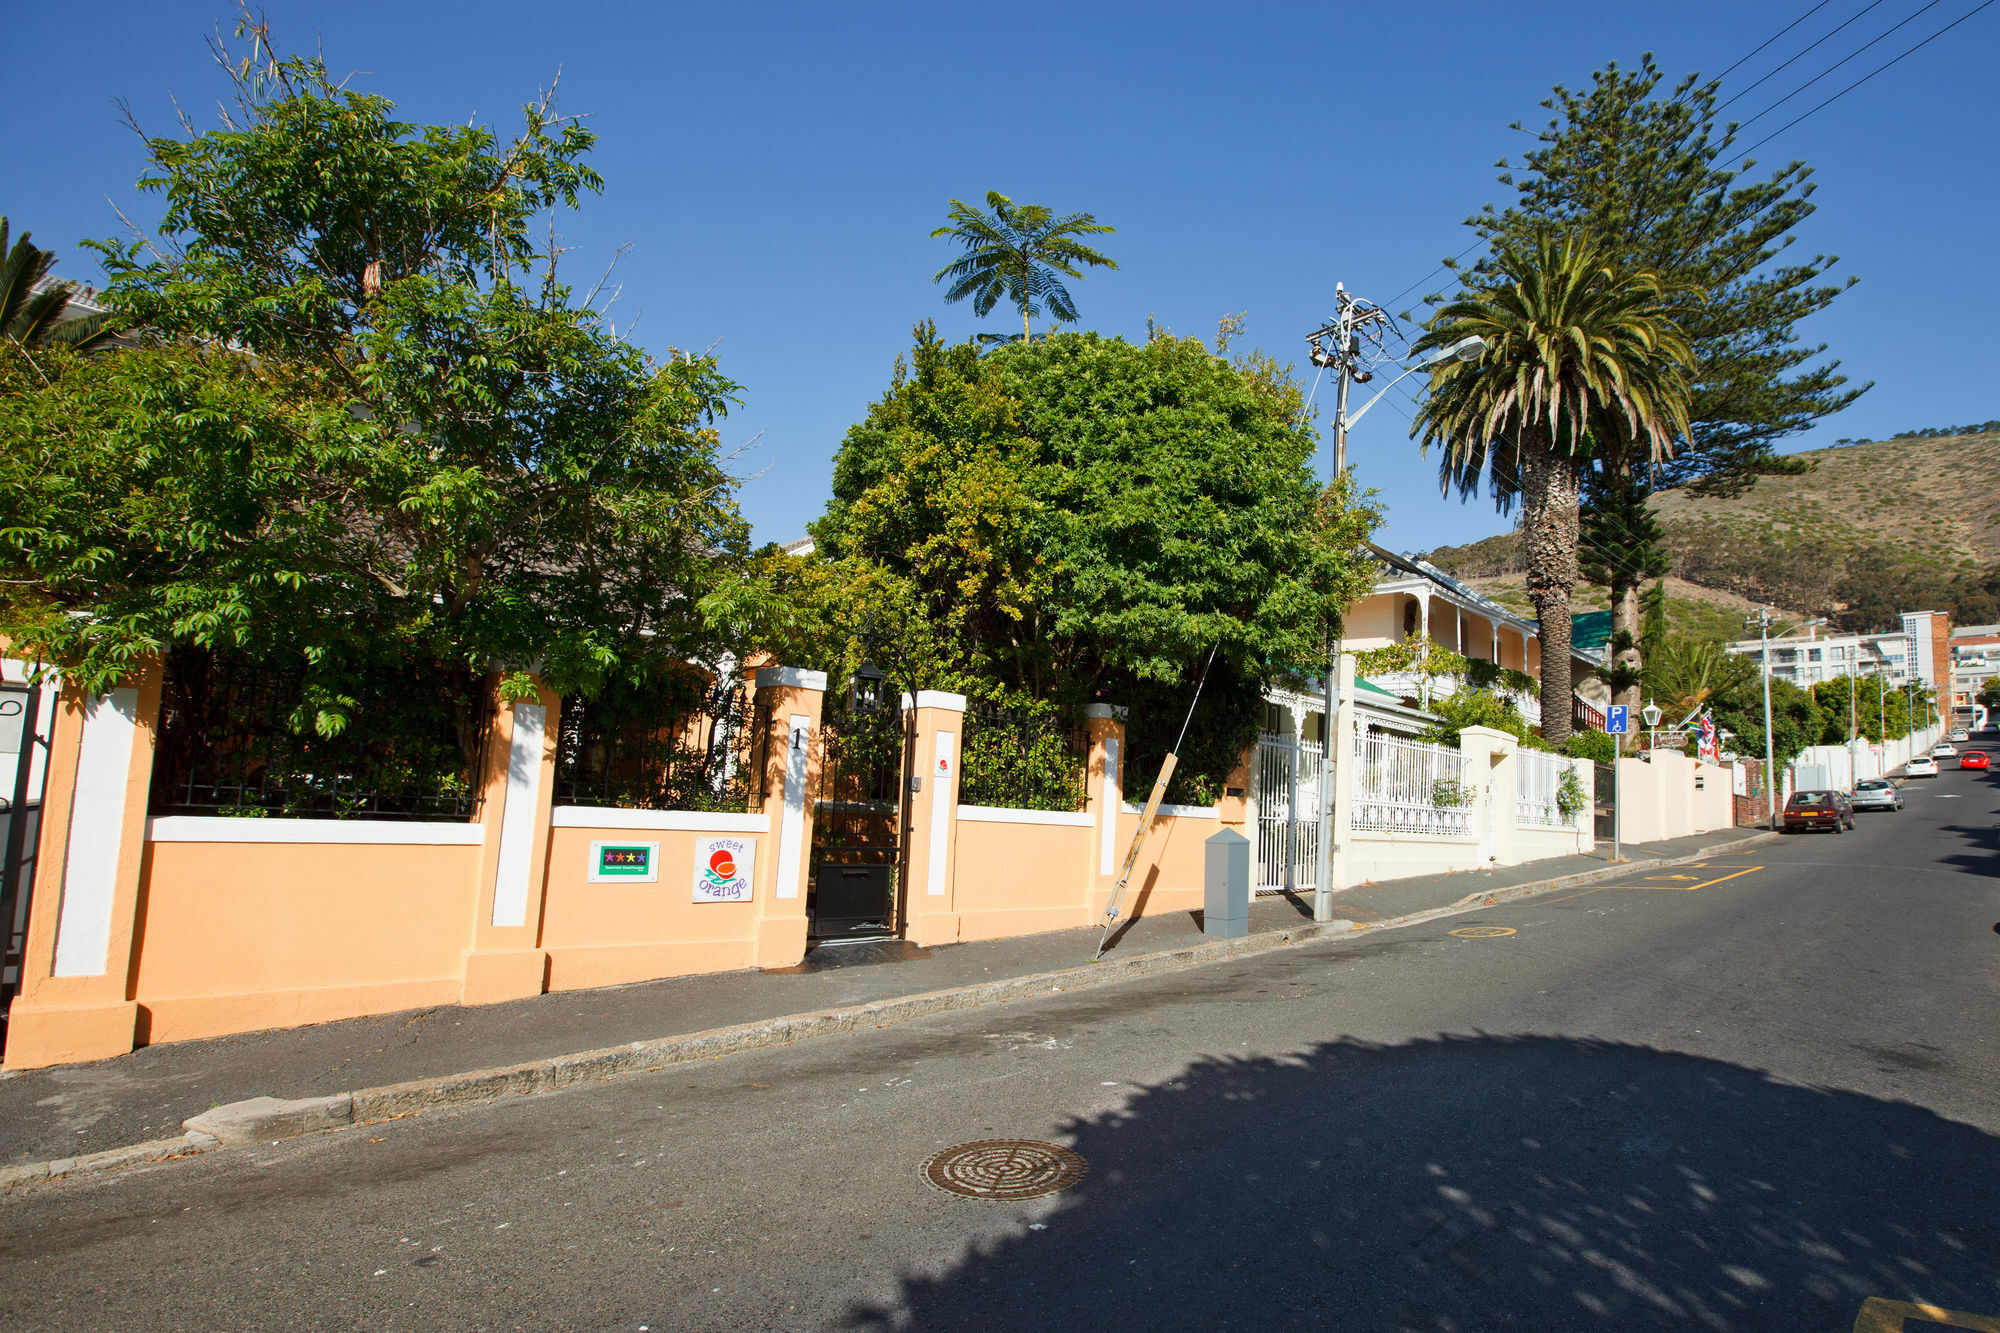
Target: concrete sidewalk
{"x": 75, "y": 1110}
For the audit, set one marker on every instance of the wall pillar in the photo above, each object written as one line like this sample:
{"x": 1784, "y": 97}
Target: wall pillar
{"x": 939, "y": 727}
{"x": 1104, "y": 797}
{"x": 506, "y": 960}
{"x": 794, "y": 701}
{"x": 1342, "y": 739}
{"x": 76, "y": 973}
{"x": 1489, "y": 766}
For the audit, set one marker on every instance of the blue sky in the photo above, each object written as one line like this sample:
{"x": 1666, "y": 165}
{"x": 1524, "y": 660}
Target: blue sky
{"x": 777, "y": 168}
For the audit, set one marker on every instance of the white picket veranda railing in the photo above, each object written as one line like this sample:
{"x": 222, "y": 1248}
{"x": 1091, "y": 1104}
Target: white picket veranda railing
{"x": 1537, "y": 780}
{"x": 1288, "y": 797}
{"x": 1403, "y": 786}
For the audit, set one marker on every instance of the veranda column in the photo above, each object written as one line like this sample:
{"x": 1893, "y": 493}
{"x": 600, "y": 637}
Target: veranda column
{"x": 933, "y": 806}
{"x": 506, "y": 960}
{"x": 76, "y": 974}
{"x": 793, "y": 702}
{"x": 1104, "y": 797}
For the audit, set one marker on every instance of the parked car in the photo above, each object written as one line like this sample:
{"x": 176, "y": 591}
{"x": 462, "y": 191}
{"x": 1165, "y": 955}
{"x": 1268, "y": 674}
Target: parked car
{"x": 1943, "y": 750}
{"x": 1819, "y": 809}
{"x": 1961, "y": 735}
{"x": 1877, "y": 794}
{"x": 1923, "y": 766}
{"x": 1975, "y": 759}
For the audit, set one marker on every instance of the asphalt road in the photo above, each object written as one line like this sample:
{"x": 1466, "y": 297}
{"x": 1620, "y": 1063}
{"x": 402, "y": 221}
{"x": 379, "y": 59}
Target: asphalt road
{"x": 1749, "y": 1100}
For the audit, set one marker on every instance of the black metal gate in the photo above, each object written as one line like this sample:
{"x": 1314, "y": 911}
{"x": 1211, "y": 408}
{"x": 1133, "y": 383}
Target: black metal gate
{"x": 1604, "y": 809}
{"x": 860, "y": 819}
{"x": 21, "y": 738}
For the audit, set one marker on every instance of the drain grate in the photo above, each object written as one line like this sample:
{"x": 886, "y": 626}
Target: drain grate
{"x": 1004, "y": 1169}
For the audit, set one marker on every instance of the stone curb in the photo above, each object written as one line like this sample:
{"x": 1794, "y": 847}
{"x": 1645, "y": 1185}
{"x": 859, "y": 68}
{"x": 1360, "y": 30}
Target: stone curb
{"x": 265, "y": 1119}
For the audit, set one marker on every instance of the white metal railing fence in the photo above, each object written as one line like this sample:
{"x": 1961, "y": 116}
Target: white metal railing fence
{"x": 1410, "y": 787}
{"x": 1537, "y": 784}
{"x": 1288, "y": 797}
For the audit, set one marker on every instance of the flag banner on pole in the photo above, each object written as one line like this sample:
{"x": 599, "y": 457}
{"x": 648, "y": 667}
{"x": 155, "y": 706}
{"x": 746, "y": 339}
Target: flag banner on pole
{"x": 1711, "y": 747}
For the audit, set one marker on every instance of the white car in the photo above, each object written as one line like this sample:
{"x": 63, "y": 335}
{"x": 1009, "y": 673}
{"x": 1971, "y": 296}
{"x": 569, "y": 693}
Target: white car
{"x": 1943, "y": 750}
{"x": 1921, "y": 767}
{"x": 1961, "y": 735}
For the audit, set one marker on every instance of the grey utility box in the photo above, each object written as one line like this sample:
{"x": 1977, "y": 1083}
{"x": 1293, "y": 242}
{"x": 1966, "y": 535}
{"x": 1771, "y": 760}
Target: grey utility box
{"x": 1226, "y": 904}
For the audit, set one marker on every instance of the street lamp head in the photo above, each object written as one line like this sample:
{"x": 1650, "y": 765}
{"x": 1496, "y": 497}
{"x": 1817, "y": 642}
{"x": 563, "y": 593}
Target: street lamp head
{"x": 1651, "y": 712}
{"x": 1468, "y": 349}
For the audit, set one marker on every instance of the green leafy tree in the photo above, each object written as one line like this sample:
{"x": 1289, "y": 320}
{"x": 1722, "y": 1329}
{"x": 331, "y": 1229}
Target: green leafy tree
{"x": 1796, "y": 720}
{"x": 31, "y": 317}
{"x": 1019, "y": 253}
{"x": 1083, "y": 518}
{"x": 367, "y": 419}
{"x": 1576, "y": 353}
{"x": 1475, "y": 708}
{"x": 1650, "y": 180}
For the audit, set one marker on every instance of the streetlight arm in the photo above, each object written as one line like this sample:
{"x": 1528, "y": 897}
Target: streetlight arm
{"x": 1465, "y": 349}
{"x": 1384, "y": 389}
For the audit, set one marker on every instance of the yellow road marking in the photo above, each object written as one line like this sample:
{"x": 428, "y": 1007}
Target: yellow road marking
{"x": 1884, "y": 1316}
{"x": 1483, "y": 932}
{"x": 1646, "y": 883}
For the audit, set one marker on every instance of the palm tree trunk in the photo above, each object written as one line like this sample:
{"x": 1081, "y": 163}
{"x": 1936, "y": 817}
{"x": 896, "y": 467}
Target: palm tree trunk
{"x": 1550, "y": 490}
{"x": 1026, "y": 337}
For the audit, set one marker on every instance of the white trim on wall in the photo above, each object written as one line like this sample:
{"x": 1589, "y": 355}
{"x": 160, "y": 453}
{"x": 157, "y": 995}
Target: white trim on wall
{"x": 1179, "y": 811}
{"x": 792, "y": 823}
{"x": 1000, "y": 814}
{"x": 96, "y": 834}
{"x": 665, "y": 821}
{"x": 941, "y": 804}
{"x": 792, "y": 677}
{"x": 332, "y": 832}
{"x": 1107, "y": 800}
{"x": 517, "y": 820}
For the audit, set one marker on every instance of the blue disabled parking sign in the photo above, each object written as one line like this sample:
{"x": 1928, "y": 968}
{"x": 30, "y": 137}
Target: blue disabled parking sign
{"x": 1618, "y": 720}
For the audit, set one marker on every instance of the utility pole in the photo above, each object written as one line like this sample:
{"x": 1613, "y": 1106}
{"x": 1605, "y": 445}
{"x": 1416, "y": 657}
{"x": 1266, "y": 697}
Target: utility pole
{"x": 1762, "y": 621}
{"x": 1354, "y": 322}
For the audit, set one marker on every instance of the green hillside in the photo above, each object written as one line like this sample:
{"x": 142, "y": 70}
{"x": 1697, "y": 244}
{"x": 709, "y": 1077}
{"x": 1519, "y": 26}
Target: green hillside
{"x": 1870, "y": 527}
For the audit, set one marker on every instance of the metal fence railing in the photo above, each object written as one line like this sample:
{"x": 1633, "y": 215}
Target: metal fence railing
{"x": 1022, "y": 759}
{"x": 1405, "y": 786}
{"x": 681, "y": 743}
{"x": 239, "y": 737}
{"x": 1538, "y": 787}
{"x": 1288, "y": 803}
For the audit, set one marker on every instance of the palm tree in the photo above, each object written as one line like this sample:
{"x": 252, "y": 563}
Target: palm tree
{"x": 1579, "y": 358}
{"x": 1018, "y": 253}
{"x": 30, "y": 317}
{"x": 1693, "y": 673}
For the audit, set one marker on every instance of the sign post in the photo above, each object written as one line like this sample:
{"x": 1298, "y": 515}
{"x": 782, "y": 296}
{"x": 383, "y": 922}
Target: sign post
{"x": 1617, "y": 721}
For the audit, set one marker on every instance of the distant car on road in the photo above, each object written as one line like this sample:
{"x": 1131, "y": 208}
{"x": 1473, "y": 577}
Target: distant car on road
{"x": 1975, "y": 759}
{"x": 1961, "y": 735}
{"x": 1943, "y": 750}
{"x": 1921, "y": 767}
{"x": 1819, "y": 809}
{"x": 1877, "y": 794}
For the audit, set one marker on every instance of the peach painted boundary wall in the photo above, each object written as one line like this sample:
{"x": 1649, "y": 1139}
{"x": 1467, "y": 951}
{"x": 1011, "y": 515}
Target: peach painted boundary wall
{"x": 263, "y": 923}
{"x": 609, "y": 934}
{"x": 1020, "y": 872}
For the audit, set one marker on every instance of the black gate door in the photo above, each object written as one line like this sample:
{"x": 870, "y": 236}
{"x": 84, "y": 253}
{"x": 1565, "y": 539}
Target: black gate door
{"x": 20, "y": 828}
{"x": 859, "y": 820}
{"x": 1604, "y": 807}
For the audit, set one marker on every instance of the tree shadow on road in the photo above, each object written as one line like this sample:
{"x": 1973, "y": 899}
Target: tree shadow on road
{"x": 1471, "y": 1183}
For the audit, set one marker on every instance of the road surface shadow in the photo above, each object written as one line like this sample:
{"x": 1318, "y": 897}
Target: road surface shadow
{"x": 1472, "y": 1183}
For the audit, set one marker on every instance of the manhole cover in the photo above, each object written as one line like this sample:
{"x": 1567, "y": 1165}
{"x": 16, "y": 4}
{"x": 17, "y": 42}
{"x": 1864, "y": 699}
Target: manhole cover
{"x": 1004, "y": 1169}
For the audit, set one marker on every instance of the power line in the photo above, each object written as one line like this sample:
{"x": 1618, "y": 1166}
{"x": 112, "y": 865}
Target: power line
{"x": 1837, "y": 64}
{"x": 1772, "y": 38}
{"x": 1801, "y": 55}
{"x": 1865, "y": 77}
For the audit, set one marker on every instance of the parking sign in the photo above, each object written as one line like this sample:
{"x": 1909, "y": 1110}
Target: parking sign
{"x": 1618, "y": 720}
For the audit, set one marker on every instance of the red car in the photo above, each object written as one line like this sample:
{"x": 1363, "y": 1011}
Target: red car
{"x": 1975, "y": 759}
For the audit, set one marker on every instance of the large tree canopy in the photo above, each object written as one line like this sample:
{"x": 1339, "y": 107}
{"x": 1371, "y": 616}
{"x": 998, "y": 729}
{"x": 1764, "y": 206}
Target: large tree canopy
{"x": 365, "y": 416}
{"x": 1083, "y": 518}
{"x": 1650, "y": 181}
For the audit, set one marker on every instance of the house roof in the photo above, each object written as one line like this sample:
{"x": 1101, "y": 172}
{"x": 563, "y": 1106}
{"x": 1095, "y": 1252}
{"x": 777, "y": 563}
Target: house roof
{"x": 1589, "y": 629}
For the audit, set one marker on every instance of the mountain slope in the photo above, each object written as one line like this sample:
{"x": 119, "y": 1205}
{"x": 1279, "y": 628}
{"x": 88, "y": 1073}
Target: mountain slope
{"x": 1914, "y": 511}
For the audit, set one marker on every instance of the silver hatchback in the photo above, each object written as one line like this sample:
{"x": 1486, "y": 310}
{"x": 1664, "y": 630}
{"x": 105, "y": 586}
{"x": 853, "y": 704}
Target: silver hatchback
{"x": 1877, "y": 794}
